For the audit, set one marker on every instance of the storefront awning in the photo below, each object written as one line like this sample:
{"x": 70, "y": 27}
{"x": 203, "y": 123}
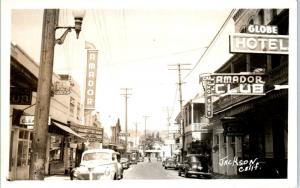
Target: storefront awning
{"x": 67, "y": 129}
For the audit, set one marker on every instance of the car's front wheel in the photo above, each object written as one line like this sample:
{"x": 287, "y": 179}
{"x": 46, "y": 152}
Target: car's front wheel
{"x": 186, "y": 174}
{"x": 179, "y": 172}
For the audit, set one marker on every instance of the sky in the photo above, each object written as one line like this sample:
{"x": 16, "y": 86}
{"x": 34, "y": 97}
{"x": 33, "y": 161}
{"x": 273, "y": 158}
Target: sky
{"x": 136, "y": 47}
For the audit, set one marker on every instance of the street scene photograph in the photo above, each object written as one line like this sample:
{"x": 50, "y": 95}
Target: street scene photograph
{"x": 125, "y": 93}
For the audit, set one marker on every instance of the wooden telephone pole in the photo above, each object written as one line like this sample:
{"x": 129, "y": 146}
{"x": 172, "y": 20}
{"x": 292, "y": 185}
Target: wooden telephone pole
{"x": 40, "y": 134}
{"x": 180, "y": 68}
{"x": 126, "y": 94}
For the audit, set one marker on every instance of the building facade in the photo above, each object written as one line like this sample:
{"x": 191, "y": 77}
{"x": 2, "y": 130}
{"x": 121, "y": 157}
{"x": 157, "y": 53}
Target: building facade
{"x": 62, "y": 139}
{"x": 249, "y": 127}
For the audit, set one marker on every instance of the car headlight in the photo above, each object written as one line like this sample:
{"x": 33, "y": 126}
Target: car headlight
{"x": 107, "y": 172}
{"x": 200, "y": 167}
{"x": 76, "y": 173}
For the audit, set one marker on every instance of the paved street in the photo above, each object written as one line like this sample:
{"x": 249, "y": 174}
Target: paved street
{"x": 150, "y": 170}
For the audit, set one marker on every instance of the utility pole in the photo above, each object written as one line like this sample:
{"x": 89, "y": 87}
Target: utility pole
{"x": 40, "y": 134}
{"x": 126, "y": 94}
{"x": 145, "y": 117}
{"x": 136, "y": 124}
{"x": 169, "y": 124}
{"x": 180, "y": 67}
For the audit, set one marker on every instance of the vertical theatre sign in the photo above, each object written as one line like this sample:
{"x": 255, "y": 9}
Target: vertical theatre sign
{"x": 91, "y": 76}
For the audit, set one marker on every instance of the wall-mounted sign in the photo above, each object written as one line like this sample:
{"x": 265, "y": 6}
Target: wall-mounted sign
{"x": 234, "y": 83}
{"x": 253, "y": 43}
{"x": 62, "y": 87}
{"x": 218, "y": 84}
{"x": 29, "y": 120}
{"x": 20, "y": 96}
{"x": 124, "y": 134}
{"x": 208, "y": 107}
{"x": 91, "y": 76}
{"x": 233, "y": 127}
{"x": 263, "y": 29}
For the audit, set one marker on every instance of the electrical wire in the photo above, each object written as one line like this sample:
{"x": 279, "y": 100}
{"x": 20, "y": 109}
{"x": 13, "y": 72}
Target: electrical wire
{"x": 212, "y": 42}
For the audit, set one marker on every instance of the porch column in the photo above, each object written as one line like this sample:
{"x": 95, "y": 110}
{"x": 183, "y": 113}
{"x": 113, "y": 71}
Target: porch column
{"x": 230, "y": 154}
{"x": 269, "y": 153}
{"x": 222, "y": 153}
{"x": 215, "y": 154}
{"x": 192, "y": 114}
{"x": 66, "y": 155}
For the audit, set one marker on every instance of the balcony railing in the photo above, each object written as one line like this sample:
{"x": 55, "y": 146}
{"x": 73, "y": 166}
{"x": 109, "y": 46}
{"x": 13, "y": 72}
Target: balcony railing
{"x": 198, "y": 127}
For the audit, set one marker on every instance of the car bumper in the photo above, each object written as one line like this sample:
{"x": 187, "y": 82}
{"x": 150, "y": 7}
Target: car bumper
{"x": 198, "y": 173}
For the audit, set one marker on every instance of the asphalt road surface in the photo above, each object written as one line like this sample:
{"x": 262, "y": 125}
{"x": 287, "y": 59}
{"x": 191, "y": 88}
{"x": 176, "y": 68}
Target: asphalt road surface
{"x": 150, "y": 170}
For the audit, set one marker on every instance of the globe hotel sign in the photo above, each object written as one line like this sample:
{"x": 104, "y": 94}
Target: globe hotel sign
{"x": 259, "y": 39}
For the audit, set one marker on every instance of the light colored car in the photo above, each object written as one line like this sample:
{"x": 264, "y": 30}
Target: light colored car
{"x": 98, "y": 164}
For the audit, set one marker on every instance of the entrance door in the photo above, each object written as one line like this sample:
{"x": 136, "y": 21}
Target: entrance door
{"x": 23, "y": 154}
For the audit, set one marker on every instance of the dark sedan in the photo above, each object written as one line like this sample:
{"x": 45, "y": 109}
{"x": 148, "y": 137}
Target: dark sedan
{"x": 170, "y": 163}
{"x": 195, "y": 164}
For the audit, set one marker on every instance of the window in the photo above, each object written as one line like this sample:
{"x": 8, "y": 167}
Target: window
{"x": 78, "y": 111}
{"x": 243, "y": 29}
{"x": 72, "y": 106}
{"x": 261, "y": 17}
{"x": 24, "y": 145}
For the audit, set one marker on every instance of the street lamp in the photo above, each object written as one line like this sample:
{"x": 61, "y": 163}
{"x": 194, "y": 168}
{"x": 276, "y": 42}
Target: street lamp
{"x": 40, "y": 134}
{"x": 78, "y": 17}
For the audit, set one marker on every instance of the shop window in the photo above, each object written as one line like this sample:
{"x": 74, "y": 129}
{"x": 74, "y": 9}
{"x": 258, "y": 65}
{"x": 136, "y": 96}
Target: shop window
{"x": 56, "y": 148}
{"x": 24, "y": 145}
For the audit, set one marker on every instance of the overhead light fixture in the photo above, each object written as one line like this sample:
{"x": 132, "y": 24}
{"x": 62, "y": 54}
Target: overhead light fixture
{"x": 78, "y": 17}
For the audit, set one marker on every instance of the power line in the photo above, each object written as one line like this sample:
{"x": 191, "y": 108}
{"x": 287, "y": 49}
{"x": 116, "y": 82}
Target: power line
{"x": 212, "y": 42}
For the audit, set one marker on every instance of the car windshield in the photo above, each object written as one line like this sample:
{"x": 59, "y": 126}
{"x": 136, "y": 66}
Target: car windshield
{"x": 170, "y": 160}
{"x": 194, "y": 159}
{"x": 96, "y": 156}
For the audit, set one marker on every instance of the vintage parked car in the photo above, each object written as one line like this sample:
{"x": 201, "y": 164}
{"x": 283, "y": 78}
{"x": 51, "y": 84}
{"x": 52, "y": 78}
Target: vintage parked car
{"x": 125, "y": 162}
{"x": 195, "y": 164}
{"x": 158, "y": 158}
{"x": 141, "y": 159}
{"x": 170, "y": 163}
{"x": 98, "y": 164}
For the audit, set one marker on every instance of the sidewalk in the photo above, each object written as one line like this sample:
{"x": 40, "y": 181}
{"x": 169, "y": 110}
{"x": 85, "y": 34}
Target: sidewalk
{"x": 57, "y": 177}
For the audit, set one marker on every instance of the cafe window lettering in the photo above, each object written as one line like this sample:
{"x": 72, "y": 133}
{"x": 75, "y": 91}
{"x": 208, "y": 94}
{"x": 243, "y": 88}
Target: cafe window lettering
{"x": 24, "y": 146}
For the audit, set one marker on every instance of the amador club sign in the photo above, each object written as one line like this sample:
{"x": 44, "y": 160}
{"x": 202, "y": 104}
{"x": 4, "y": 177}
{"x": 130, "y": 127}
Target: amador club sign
{"x": 234, "y": 83}
{"x": 220, "y": 84}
